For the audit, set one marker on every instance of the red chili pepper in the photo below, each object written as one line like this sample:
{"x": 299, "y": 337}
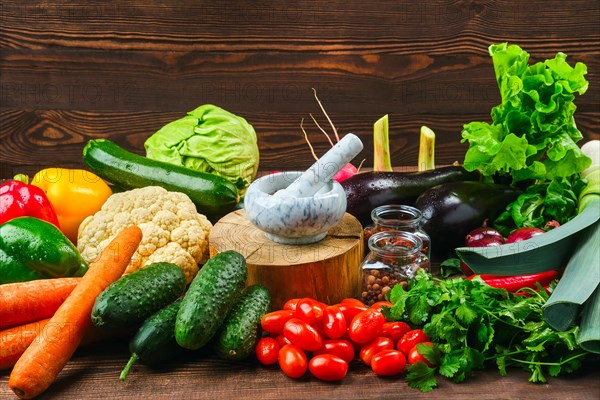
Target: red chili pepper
{"x": 18, "y": 199}
{"x": 516, "y": 282}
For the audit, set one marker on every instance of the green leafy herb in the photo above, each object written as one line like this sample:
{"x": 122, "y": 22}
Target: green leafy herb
{"x": 540, "y": 203}
{"x": 450, "y": 267}
{"x": 473, "y": 324}
{"x": 420, "y": 376}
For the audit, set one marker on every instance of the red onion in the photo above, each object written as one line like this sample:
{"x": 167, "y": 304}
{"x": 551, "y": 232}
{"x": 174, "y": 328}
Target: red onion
{"x": 523, "y": 234}
{"x": 490, "y": 241}
{"x": 481, "y": 233}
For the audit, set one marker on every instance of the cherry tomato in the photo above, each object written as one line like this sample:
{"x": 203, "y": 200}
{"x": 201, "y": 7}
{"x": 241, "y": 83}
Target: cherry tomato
{"x": 309, "y": 310}
{"x": 291, "y": 304}
{"x": 366, "y": 326}
{"x": 410, "y": 340}
{"x": 357, "y": 346}
{"x": 380, "y": 304}
{"x": 282, "y": 340}
{"x": 341, "y": 348}
{"x": 267, "y": 351}
{"x": 414, "y": 356}
{"x": 395, "y": 330}
{"x": 328, "y": 367}
{"x": 273, "y": 322}
{"x": 374, "y": 347}
{"x": 292, "y": 361}
{"x": 302, "y": 334}
{"x": 388, "y": 362}
{"x": 333, "y": 322}
{"x": 350, "y": 310}
{"x": 350, "y": 300}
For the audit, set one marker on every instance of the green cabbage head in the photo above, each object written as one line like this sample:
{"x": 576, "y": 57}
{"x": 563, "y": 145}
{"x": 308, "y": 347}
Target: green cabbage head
{"x": 209, "y": 139}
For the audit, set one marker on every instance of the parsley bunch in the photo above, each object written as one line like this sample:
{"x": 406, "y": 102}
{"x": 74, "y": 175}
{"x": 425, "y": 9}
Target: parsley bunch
{"x": 473, "y": 324}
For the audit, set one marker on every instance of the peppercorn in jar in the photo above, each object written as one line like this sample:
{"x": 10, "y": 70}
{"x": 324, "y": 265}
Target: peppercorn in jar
{"x": 394, "y": 258}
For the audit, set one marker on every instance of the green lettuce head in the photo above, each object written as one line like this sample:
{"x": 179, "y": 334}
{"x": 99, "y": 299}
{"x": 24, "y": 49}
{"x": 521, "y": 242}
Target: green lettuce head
{"x": 209, "y": 139}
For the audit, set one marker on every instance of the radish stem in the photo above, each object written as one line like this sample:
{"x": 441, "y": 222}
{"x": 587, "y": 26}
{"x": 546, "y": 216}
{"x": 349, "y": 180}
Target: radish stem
{"x": 308, "y": 141}
{"x": 327, "y": 116}
{"x": 322, "y": 130}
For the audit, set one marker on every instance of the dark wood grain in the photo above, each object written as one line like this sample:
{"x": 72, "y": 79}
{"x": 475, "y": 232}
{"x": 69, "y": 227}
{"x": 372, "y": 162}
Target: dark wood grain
{"x": 73, "y": 71}
{"x": 43, "y": 133}
{"x": 93, "y": 373}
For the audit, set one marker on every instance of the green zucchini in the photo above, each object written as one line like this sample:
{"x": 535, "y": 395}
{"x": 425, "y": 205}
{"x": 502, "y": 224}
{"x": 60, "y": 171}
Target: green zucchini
{"x": 134, "y": 297}
{"x": 239, "y": 334}
{"x": 209, "y": 298}
{"x": 210, "y": 193}
{"x": 154, "y": 342}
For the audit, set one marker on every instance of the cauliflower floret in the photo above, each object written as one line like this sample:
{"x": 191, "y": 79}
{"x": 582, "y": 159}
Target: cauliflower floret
{"x": 172, "y": 229}
{"x": 175, "y": 254}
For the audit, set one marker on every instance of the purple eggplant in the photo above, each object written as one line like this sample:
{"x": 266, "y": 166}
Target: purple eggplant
{"x": 452, "y": 210}
{"x": 368, "y": 190}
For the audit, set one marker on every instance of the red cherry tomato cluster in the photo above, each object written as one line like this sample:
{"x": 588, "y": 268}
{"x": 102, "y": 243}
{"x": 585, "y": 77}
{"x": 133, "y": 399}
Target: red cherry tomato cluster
{"x": 309, "y": 335}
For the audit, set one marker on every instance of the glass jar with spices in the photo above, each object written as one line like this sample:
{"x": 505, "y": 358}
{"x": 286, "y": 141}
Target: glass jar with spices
{"x": 394, "y": 258}
{"x": 400, "y": 218}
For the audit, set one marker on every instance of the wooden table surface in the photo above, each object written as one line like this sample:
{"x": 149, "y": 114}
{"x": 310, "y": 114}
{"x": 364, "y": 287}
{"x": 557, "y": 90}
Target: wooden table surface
{"x": 93, "y": 373}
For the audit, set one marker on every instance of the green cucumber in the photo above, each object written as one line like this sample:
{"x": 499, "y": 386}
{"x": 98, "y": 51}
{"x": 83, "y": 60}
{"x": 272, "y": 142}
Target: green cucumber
{"x": 210, "y": 193}
{"x": 154, "y": 342}
{"x": 239, "y": 334}
{"x": 209, "y": 298}
{"x": 134, "y": 297}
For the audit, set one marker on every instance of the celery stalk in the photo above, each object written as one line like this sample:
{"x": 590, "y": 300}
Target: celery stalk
{"x": 381, "y": 145}
{"x": 426, "y": 149}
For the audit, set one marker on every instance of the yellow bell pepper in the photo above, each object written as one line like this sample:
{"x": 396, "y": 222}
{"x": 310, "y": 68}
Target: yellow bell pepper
{"x": 74, "y": 194}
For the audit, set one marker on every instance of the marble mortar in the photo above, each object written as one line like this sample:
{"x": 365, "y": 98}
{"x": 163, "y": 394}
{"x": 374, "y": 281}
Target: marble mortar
{"x": 293, "y": 220}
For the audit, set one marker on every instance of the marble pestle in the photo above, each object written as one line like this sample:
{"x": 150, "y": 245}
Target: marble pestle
{"x": 324, "y": 169}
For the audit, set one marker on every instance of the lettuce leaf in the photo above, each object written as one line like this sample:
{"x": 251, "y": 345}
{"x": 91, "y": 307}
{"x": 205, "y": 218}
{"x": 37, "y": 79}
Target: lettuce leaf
{"x": 533, "y": 134}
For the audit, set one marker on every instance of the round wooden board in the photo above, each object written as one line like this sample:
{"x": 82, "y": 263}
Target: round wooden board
{"x": 326, "y": 270}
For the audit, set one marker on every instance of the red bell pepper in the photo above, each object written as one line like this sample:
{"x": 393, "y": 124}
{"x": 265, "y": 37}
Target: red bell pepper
{"x": 517, "y": 282}
{"x": 19, "y": 199}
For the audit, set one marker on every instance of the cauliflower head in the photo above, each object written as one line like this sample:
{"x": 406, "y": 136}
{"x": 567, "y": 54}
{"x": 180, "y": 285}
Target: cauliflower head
{"x": 173, "y": 231}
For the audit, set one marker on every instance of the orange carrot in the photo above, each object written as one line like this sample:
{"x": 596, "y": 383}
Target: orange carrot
{"x": 14, "y": 341}
{"x": 25, "y": 302}
{"x": 43, "y": 360}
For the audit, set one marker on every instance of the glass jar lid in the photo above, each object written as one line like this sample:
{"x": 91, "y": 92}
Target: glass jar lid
{"x": 394, "y": 215}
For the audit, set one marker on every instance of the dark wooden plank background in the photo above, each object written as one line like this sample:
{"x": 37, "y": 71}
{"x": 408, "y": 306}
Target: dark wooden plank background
{"x": 75, "y": 70}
